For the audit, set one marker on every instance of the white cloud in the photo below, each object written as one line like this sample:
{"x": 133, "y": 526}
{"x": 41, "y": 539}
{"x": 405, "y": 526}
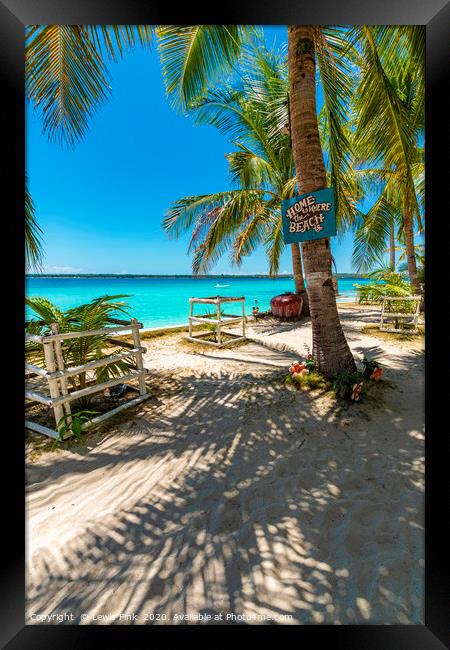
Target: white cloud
{"x": 62, "y": 269}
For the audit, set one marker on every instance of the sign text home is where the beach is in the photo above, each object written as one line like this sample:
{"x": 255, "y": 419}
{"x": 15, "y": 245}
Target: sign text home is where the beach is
{"x": 309, "y": 216}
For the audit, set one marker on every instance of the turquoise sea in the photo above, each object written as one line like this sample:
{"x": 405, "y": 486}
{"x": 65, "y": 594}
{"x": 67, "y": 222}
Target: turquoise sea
{"x": 160, "y": 301}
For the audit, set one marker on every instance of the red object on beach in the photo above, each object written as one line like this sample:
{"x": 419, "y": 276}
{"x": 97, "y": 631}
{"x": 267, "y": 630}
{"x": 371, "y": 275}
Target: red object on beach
{"x": 286, "y": 305}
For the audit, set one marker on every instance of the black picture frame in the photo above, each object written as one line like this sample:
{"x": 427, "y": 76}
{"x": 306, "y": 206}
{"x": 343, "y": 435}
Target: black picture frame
{"x": 435, "y": 14}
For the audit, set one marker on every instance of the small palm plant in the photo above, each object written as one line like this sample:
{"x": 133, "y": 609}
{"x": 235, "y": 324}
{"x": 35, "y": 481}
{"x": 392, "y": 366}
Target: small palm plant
{"x": 76, "y": 352}
{"x": 386, "y": 283}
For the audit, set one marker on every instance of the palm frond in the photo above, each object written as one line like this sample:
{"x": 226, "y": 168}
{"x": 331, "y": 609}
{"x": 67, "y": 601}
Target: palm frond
{"x": 33, "y": 234}
{"x": 370, "y": 239}
{"x": 66, "y": 79}
{"x": 193, "y": 56}
{"x": 116, "y": 40}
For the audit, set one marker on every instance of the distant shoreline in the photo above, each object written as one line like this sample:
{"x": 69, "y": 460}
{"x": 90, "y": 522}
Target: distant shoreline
{"x": 190, "y": 277}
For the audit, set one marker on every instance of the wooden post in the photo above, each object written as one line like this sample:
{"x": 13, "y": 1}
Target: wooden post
{"x": 138, "y": 355}
{"x": 53, "y": 384}
{"x": 191, "y": 313}
{"x": 382, "y": 314}
{"x": 60, "y": 364}
{"x": 243, "y": 318}
{"x": 219, "y": 334}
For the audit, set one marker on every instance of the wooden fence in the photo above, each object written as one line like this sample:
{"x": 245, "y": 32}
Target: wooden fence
{"x": 219, "y": 322}
{"x": 56, "y": 373}
{"x": 403, "y": 321}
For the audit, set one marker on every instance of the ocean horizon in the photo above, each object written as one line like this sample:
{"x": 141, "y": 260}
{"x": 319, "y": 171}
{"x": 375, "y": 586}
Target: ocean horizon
{"x": 163, "y": 300}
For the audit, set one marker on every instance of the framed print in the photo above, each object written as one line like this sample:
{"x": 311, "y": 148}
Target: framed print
{"x": 261, "y": 461}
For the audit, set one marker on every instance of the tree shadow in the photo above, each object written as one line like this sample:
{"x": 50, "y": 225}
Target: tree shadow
{"x": 243, "y": 497}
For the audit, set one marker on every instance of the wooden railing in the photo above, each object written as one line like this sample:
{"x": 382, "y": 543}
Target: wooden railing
{"x": 57, "y": 374}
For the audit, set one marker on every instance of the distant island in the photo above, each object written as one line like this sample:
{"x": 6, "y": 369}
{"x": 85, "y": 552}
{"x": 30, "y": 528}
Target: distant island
{"x": 162, "y": 275}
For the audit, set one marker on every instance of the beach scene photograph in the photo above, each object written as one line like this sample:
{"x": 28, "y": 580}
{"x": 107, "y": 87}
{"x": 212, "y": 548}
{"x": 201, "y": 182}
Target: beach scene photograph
{"x": 225, "y": 324}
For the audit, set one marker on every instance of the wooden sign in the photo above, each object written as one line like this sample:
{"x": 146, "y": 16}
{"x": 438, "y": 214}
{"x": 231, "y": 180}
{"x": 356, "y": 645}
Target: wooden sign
{"x": 309, "y": 216}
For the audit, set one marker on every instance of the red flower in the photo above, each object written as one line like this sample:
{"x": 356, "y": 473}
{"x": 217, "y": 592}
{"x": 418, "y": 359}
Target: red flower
{"x": 376, "y": 375}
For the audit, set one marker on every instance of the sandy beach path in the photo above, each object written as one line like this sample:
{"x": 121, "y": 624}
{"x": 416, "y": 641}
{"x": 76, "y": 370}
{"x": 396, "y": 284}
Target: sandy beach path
{"x": 228, "y": 494}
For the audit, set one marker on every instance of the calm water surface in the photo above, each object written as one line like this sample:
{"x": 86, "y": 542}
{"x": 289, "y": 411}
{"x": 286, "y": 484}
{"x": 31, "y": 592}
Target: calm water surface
{"x": 165, "y": 301}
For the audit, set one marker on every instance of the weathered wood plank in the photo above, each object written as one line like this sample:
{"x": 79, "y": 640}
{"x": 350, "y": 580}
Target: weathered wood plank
{"x": 115, "y": 411}
{"x": 85, "y": 333}
{"x": 138, "y": 356}
{"x": 46, "y": 431}
{"x": 29, "y": 367}
{"x": 91, "y": 365}
{"x": 96, "y": 388}
{"x": 38, "y": 397}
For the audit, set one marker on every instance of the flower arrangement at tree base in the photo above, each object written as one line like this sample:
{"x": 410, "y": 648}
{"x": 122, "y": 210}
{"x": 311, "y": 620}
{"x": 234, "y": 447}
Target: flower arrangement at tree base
{"x": 303, "y": 374}
{"x": 346, "y": 385}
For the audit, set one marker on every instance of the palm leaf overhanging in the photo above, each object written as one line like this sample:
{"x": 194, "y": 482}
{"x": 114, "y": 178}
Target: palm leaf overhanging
{"x": 260, "y": 167}
{"x": 389, "y": 119}
{"x": 373, "y": 86}
{"x": 193, "y": 56}
{"x": 66, "y": 72}
{"x": 67, "y": 81}
{"x": 33, "y": 233}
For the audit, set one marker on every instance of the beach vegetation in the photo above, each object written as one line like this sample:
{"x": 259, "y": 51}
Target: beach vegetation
{"x": 93, "y": 315}
{"x": 389, "y": 122}
{"x": 261, "y": 169}
{"x": 308, "y": 381}
{"x": 34, "y": 249}
{"x": 386, "y": 283}
{"x": 73, "y": 423}
{"x": 348, "y": 385}
{"x": 372, "y": 73}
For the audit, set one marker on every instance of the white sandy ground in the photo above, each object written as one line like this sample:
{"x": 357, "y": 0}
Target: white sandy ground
{"x": 229, "y": 493}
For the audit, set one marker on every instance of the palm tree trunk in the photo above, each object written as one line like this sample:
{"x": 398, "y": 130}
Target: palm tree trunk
{"x": 299, "y": 280}
{"x": 330, "y": 348}
{"x": 408, "y": 227}
{"x": 392, "y": 246}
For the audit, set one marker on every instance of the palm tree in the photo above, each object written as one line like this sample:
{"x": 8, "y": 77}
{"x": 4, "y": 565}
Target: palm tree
{"x": 262, "y": 167}
{"x": 68, "y": 93}
{"x": 390, "y": 116}
{"x": 330, "y": 348}
{"x": 383, "y": 222}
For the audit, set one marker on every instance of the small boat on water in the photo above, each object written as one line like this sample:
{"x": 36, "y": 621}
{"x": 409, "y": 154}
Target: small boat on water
{"x": 221, "y": 286}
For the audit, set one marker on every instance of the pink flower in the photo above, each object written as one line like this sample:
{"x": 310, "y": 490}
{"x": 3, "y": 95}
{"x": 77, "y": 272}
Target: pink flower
{"x": 310, "y": 357}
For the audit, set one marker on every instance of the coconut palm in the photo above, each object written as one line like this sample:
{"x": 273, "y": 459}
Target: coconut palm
{"x": 193, "y": 56}
{"x": 383, "y": 222}
{"x": 238, "y": 220}
{"x": 389, "y": 111}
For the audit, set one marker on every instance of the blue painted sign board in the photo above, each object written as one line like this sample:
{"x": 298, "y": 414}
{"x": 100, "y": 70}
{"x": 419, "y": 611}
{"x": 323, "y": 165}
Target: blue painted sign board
{"x": 309, "y": 216}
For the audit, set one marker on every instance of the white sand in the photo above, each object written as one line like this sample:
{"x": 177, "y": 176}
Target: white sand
{"x": 228, "y": 493}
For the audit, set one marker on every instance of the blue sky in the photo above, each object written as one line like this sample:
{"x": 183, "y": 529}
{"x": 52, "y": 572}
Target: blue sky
{"x": 100, "y": 204}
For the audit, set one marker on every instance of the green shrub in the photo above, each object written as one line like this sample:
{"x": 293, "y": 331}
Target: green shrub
{"x": 74, "y": 423}
{"x": 343, "y": 383}
{"x": 388, "y": 284}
